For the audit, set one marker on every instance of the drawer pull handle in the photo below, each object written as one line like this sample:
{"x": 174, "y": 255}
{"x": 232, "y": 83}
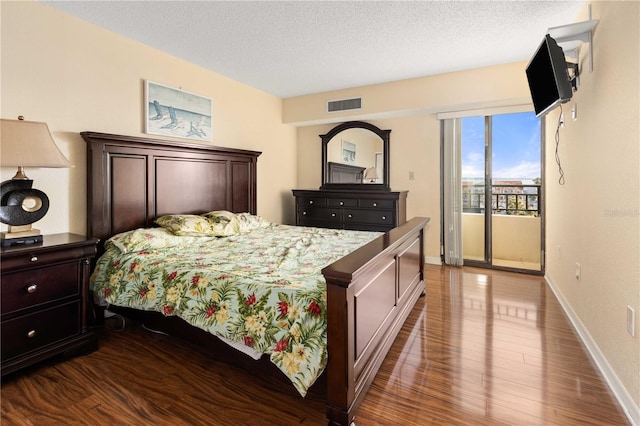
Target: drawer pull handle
{"x": 32, "y": 288}
{"x": 310, "y": 201}
{"x": 375, "y": 204}
{"x": 304, "y": 213}
{"x": 34, "y": 258}
{"x": 384, "y": 218}
{"x": 333, "y": 215}
{"x": 31, "y": 334}
{"x": 350, "y": 215}
{"x": 342, "y": 203}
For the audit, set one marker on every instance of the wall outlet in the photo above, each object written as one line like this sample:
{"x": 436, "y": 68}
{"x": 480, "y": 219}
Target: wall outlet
{"x": 578, "y": 271}
{"x": 412, "y": 176}
{"x": 631, "y": 321}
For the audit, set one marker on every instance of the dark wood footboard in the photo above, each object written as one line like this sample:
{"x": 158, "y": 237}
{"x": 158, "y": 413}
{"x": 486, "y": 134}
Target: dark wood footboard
{"x": 369, "y": 296}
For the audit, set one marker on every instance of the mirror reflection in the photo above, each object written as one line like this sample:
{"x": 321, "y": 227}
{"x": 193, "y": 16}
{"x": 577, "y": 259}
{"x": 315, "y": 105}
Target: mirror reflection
{"x": 355, "y": 156}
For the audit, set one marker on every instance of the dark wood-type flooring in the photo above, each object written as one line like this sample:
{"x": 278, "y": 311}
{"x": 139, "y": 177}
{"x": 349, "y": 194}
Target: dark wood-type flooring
{"x": 482, "y": 348}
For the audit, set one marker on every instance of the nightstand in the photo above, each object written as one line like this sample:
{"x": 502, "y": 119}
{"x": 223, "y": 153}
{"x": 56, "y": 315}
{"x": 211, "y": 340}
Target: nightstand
{"x": 45, "y": 300}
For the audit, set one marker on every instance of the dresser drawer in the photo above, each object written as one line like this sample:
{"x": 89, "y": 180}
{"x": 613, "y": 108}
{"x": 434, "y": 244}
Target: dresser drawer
{"x": 320, "y": 223}
{"x": 321, "y": 213}
{"x": 376, "y": 204}
{"x": 378, "y": 217}
{"x": 32, "y": 287}
{"x": 363, "y": 210}
{"x": 312, "y": 201}
{"x": 342, "y": 202}
{"x": 34, "y": 331}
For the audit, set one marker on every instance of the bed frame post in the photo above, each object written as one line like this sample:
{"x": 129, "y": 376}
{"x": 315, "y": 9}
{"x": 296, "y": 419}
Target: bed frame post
{"x": 339, "y": 392}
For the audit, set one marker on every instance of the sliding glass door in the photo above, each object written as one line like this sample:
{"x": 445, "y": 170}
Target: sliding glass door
{"x": 501, "y": 179}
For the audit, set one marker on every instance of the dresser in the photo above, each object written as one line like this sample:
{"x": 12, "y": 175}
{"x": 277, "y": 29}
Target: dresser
{"x": 45, "y": 300}
{"x": 363, "y": 210}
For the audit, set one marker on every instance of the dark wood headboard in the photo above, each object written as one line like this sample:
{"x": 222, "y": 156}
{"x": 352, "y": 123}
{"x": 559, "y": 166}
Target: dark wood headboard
{"x": 345, "y": 173}
{"x": 133, "y": 180}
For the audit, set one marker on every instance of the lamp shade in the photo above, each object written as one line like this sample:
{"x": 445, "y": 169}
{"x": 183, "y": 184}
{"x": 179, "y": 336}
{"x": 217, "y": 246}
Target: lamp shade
{"x": 371, "y": 174}
{"x": 29, "y": 144}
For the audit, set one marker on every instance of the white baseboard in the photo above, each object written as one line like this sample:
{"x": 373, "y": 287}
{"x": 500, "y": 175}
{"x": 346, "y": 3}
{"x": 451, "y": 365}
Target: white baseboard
{"x": 631, "y": 409}
{"x": 433, "y": 260}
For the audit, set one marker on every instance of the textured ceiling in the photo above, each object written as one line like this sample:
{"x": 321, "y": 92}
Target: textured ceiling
{"x": 292, "y": 48}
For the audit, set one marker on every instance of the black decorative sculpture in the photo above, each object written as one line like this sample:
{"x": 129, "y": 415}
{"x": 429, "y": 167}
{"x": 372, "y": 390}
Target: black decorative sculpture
{"x": 20, "y": 204}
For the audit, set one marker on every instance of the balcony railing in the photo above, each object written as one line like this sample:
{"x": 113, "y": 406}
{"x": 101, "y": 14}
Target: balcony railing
{"x": 510, "y": 199}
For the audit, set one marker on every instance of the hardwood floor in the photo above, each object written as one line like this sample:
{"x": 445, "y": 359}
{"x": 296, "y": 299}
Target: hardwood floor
{"x": 482, "y": 348}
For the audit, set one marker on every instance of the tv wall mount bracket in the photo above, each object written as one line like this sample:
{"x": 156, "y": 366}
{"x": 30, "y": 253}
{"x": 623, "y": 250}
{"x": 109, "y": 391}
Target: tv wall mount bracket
{"x": 570, "y": 37}
{"x": 574, "y": 74}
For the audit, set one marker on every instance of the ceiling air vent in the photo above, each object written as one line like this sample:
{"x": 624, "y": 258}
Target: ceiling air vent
{"x": 344, "y": 105}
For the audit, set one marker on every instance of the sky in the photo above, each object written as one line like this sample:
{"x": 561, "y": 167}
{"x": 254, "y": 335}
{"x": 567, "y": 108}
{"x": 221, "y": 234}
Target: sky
{"x": 516, "y": 146}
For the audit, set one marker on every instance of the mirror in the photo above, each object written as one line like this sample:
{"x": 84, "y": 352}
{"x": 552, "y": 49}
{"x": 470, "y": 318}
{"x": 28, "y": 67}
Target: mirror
{"x": 355, "y": 155}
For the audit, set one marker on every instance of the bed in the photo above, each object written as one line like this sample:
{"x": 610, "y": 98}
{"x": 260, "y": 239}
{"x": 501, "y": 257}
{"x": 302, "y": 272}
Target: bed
{"x": 368, "y": 292}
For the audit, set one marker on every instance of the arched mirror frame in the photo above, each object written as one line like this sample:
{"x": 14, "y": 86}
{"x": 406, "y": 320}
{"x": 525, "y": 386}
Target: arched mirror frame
{"x": 383, "y": 134}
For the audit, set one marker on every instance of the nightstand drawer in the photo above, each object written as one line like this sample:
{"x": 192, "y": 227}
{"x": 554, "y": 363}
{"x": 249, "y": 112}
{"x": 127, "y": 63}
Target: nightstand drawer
{"x": 32, "y": 287}
{"x": 32, "y": 258}
{"x": 34, "y": 331}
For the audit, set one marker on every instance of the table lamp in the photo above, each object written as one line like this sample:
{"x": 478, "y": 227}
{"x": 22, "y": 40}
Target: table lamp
{"x": 25, "y": 144}
{"x": 371, "y": 174}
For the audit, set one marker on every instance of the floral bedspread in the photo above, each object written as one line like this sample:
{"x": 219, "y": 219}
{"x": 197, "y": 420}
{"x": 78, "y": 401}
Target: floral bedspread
{"x": 262, "y": 288}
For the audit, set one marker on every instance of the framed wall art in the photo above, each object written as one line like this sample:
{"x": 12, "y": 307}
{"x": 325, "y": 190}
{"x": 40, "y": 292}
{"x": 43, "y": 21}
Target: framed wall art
{"x": 176, "y": 112}
{"x": 348, "y": 151}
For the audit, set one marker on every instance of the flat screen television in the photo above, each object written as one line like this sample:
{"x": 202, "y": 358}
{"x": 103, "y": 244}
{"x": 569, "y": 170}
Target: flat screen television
{"x": 548, "y": 77}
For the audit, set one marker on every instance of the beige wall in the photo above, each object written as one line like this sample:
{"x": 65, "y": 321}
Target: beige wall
{"x": 78, "y": 77}
{"x": 366, "y": 145}
{"x": 503, "y": 228}
{"x": 594, "y": 218}
{"x": 480, "y": 88}
{"x": 415, "y": 129}
{"x": 415, "y": 146}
